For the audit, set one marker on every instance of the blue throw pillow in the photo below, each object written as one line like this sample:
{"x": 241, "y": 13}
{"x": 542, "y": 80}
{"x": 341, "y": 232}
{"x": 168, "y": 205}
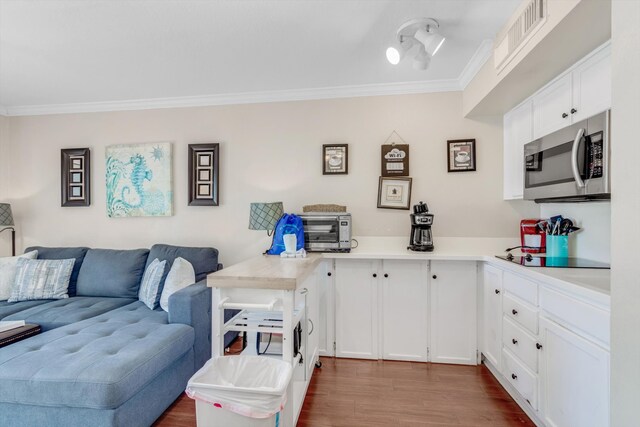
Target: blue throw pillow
{"x": 41, "y": 279}
{"x": 149, "y": 292}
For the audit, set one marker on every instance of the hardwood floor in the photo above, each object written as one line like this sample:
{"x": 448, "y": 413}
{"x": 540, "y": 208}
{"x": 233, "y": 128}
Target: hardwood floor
{"x": 354, "y": 393}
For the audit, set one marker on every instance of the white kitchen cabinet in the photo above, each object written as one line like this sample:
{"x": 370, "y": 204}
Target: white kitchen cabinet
{"x": 580, "y": 93}
{"x": 574, "y": 377}
{"x": 313, "y": 320}
{"x": 356, "y": 296}
{"x": 381, "y": 309}
{"x": 551, "y": 107}
{"x": 518, "y": 130}
{"x": 592, "y": 86}
{"x": 404, "y": 320}
{"x": 492, "y": 314}
{"x": 326, "y": 316}
{"x": 453, "y": 312}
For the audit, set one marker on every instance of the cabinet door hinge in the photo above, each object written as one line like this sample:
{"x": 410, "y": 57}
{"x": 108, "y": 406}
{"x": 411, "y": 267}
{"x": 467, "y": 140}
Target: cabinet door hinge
{"x": 334, "y": 346}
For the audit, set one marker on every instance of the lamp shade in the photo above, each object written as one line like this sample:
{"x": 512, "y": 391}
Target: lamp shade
{"x": 6, "y": 218}
{"x": 265, "y": 216}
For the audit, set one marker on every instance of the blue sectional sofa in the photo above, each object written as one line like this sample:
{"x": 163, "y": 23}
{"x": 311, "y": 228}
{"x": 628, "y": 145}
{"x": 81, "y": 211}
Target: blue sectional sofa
{"x": 104, "y": 358}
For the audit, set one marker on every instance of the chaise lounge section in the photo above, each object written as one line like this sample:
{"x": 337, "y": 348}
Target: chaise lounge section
{"x": 107, "y": 360}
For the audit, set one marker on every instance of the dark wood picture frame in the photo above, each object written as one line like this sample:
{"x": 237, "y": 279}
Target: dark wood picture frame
{"x": 407, "y": 203}
{"x": 458, "y": 163}
{"x": 75, "y": 191}
{"x": 204, "y": 158}
{"x": 391, "y": 164}
{"x": 327, "y": 166}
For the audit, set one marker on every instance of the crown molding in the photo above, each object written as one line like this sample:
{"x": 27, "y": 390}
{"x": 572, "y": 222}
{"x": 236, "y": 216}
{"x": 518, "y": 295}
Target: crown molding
{"x": 481, "y": 55}
{"x": 403, "y": 88}
{"x": 476, "y": 62}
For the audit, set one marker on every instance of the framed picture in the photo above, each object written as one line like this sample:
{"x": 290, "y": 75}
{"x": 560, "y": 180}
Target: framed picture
{"x": 461, "y": 155}
{"x": 335, "y": 159}
{"x": 75, "y": 171}
{"x": 204, "y": 172}
{"x": 139, "y": 180}
{"x": 395, "y": 160}
{"x": 394, "y": 192}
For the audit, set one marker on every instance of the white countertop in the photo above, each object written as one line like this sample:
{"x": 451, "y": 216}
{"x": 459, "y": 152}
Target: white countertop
{"x": 265, "y": 272}
{"x": 594, "y": 284}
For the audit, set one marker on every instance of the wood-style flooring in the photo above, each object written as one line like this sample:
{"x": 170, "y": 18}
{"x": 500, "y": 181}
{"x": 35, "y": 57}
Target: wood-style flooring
{"x": 354, "y": 393}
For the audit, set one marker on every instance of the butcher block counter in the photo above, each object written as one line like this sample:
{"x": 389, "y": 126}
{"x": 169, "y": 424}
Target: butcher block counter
{"x": 266, "y": 272}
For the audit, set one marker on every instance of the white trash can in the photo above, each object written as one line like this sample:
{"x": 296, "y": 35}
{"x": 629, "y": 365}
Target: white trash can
{"x": 240, "y": 391}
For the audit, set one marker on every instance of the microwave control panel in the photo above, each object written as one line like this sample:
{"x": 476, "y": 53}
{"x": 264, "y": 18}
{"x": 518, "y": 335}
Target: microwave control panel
{"x": 594, "y": 158}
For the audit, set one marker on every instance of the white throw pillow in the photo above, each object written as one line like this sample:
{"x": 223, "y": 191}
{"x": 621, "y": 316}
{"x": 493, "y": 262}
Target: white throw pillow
{"x": 8, "y": 269}
{"x": 180, "y": 276}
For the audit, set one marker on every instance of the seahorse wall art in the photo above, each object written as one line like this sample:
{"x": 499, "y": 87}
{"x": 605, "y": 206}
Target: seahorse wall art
{"x": 139, "y": 180}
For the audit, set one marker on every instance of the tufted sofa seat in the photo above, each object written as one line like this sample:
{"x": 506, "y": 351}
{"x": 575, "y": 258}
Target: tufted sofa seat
{"x": 66, "y": 311}
{"x": 97, "y": 363}
{"x": 9, "y": 308}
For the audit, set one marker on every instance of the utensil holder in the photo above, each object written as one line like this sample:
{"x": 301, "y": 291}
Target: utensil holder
{"x": 557, "y": 246}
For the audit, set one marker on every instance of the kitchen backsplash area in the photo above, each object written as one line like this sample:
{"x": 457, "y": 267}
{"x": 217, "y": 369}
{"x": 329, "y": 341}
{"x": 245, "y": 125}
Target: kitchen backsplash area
{"x": 593, "y": 241}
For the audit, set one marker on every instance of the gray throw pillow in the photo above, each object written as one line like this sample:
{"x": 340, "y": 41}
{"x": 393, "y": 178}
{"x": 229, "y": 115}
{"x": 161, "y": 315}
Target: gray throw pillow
{"x": 41, "y": 279}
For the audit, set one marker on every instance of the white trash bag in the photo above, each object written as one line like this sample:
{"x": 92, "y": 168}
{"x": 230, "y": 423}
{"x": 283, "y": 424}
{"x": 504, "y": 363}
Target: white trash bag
{"x": 252, "y": 386}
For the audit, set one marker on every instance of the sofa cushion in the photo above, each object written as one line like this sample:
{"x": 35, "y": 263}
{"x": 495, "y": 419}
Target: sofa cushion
{"x": 8, "y": 270}
{"x": 149, "y": 292}
{"x": 41, "y": 279}
{"x": 9, "y": 308}
{"x": 112, "y": 273}
{"x": 63, "y": 253}
{"x": 97, "y": 363}
{"x": 203, "y": 260}
{"x": 65, "y": 311}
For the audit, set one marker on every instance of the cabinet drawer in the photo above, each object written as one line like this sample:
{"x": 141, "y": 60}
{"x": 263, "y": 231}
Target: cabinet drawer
{"x": 523, "y": 288}
{"x": 525, "y": 381}
{"x": 583, "y": 318}
{"x": 521, "y": 312}
{"x": 520, "y": 343}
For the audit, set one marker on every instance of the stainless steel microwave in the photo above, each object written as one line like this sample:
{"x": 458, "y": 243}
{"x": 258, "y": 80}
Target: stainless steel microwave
{"x": 327, "y": 232}
{"x": 571, "y": 164}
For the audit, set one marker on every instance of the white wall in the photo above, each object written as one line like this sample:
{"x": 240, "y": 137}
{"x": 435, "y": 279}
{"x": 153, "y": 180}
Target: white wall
{"x": 269, "y": 152}
{"x": 625, "y": 215}
{"x": 594, "y": 240}
{"x": 5, "y": 237}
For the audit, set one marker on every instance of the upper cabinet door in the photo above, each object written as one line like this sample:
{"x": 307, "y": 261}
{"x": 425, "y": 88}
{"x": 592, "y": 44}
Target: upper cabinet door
{"x": 552, "y": 107}
{"x": 518, "y": 130}
{"x": 592, "y": 86}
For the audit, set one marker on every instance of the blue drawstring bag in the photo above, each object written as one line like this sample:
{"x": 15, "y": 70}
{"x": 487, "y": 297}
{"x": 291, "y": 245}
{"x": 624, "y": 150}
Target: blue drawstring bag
{"x": 287, "y": 224}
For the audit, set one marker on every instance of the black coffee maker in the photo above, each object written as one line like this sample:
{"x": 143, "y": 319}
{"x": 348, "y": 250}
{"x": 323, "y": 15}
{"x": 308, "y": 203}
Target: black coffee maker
{"x": 421, "y": 221}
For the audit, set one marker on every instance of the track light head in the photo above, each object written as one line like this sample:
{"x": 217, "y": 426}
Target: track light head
{"x": 424, "y": 33}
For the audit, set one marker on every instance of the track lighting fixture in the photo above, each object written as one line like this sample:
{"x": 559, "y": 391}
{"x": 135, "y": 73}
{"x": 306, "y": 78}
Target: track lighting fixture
{"x": 421, "y": 32}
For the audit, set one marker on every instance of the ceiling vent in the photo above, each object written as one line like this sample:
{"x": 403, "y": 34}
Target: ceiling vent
{"x": 525, "y": 25}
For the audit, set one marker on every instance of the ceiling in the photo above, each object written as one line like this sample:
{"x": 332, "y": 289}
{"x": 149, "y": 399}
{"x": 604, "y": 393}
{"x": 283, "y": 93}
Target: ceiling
{"x": 103, "y": 54}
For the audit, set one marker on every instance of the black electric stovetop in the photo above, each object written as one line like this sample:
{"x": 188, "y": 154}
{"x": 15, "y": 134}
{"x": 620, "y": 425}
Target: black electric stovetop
{"x": 529, "y": 260}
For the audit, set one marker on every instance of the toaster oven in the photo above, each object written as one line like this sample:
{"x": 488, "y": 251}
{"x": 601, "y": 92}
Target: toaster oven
{"x": 326, "y": 231}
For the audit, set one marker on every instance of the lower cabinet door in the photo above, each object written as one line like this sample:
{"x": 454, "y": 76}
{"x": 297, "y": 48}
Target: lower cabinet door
{"x": 356, "y": 294}
{"x": 404, "y": 303}
{"x": 574, "y": 375}
{"x": 453, "y": 312}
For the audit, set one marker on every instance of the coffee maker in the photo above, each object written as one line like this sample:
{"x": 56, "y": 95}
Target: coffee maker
{"x": 421, "y": 221}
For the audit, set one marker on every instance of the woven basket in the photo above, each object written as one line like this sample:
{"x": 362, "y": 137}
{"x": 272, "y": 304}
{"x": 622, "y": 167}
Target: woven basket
{"x": 324, "y": 208}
